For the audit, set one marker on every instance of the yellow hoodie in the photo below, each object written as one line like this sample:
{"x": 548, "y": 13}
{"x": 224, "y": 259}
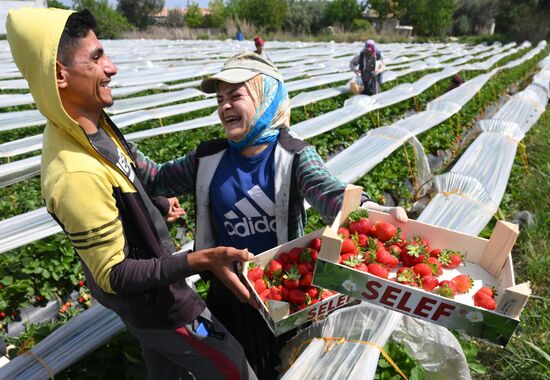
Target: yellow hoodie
{"x": 120, "y": 237}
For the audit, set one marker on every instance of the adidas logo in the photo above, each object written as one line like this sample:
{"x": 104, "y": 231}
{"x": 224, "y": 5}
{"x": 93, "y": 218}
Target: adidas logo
{"x": 254, "y": 221}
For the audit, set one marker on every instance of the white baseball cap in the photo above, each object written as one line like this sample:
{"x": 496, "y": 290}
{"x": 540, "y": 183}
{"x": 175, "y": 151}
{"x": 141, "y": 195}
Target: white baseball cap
{"x": 239, "y": 69}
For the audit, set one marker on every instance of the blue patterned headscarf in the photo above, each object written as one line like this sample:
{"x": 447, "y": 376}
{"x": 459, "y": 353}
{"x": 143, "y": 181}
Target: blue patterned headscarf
{"x": 272, "y": 106}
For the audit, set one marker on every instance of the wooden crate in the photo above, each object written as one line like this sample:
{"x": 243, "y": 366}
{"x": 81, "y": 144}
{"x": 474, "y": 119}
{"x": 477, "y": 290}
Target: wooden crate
{"x": 277, "y": 313}
{"x": 487, "y": 261}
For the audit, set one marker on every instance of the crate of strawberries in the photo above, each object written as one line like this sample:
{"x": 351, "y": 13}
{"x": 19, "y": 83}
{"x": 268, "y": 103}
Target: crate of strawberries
{"x": 449, "y": 278}
{"x": 281, "y": 281}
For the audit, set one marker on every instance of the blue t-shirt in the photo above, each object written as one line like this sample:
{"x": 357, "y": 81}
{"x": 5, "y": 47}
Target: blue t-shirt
{"x": 242, "y": 195}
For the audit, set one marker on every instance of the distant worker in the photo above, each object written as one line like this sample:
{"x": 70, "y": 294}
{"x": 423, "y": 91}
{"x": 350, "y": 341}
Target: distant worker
{"x": 369, "y": 72}
{"x": 456, "y": 81}
{"x": 259, "y": 42}
{"x": 239, "y": 35}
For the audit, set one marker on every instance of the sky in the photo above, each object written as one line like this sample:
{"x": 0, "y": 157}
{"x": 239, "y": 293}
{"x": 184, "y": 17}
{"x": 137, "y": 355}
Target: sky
{"x": 167, "y": 3}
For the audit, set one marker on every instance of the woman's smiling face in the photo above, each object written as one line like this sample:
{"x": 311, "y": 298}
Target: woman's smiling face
{"x": 235, "y": 109}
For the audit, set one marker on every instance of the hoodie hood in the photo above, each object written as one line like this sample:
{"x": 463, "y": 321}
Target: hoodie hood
{"x": 33, "y": 35}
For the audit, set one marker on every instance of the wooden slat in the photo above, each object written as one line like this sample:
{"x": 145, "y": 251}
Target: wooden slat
{"x": 499, "y": 246}
{"x": 513, "y": 300}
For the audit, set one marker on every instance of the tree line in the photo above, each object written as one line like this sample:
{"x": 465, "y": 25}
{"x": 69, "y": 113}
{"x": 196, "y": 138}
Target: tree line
{"x": 513, "y": 19}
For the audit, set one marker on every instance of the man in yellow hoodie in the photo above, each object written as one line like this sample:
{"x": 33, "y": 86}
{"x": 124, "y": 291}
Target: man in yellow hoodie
{"x": 90, "y": 187}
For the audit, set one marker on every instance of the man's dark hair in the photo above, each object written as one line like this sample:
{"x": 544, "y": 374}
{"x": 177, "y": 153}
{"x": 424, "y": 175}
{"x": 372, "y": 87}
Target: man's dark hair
{"x": 77, "y": 27}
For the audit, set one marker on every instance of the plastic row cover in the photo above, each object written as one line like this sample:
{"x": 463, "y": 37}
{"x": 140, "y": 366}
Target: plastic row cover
{"x": 470, "y": 193}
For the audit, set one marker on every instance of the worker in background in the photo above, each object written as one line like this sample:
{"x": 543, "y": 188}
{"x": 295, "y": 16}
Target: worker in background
{"x": 368, "y": 66}
{"x": 260, "y": 43}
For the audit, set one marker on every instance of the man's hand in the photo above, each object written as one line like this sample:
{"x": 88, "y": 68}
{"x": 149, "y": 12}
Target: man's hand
{"x": 175, "y": 211}
{"x": 357, "y": 72}
{"x": 219, "y": 261}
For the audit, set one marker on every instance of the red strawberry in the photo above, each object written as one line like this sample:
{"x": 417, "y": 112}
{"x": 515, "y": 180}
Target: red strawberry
{"x": 422, "y": 270}
{"x": 435, "y": 265}
{"x": 327, "y": 294}
{"x": 291, "y": 279}
{"x": 378, "y": 270}
{"x": 450, "y": 259}
{"x": 387, "y": 259}
{"x": 384, "y": 230}
{"x": 275, "y": 293}
{"x": 347, "y": 257}
{"x": 304, "y": 268}
{"x": 362, "y": 240}
{"x": 435, "y": 252}
{"x": 485, "y": 301}
{"x": 359, "y": 223}
{"x": 362, "y": 267}
{"x": 416, "y": 252}
{"x": 254, "y": 273}
{"x": 405, "y": 275}
{"x": 315, "y": 244}
{"x": 294, "y": 255}
{"x": 274, "y": 268}
{"x": 283, "y": 258}
{"x": 490, "y": 291}
{"x": 348, "y": 246}
{"x": 297, "y": 297}
{"x": 429, "y": 283}
{"x": 395, "y": 250}
{"x": 308, "y": 255}
{"x": 313, "y": 292}
{"x": 352, "y": 261}
{"x": 343, "y": 232}
{"x": 446, "y": 289}
{"x": 463, "y": 283}
{"x": 306, "y": 279}
{"x": 265, "y": 295}
{"x": 284, "y": 293}
{"x": 2, "y": 315}
{"x": 260, "y": 285}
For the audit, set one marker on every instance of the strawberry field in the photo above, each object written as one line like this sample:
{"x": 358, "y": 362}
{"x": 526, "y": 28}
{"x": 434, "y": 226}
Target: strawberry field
{"x": 462, "y": 159}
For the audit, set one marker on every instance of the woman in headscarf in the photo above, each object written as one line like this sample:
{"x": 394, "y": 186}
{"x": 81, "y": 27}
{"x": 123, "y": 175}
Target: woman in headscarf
{"x": 370, "y": 68}
{"x": 250, "y": 188}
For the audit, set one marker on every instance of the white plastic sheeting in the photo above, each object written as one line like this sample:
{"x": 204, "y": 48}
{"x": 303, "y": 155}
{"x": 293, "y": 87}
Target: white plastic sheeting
{"x": 346, "y": 360}
{"x": 32, "y": 143}
{"x": 357, "y": 159}
{"x": 434, "y": 347}
{"x": 76, "y": 338}
{"x": 469, "y": 194}
{"x": 25, "y": 228}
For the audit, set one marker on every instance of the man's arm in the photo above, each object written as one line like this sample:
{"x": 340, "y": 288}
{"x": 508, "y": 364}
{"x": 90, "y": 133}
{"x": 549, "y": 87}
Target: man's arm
{"x": 84, "y": 205}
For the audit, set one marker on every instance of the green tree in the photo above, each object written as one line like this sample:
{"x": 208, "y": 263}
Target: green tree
{"x": 523, "y": 19}
{"x": 175, "y": 19}
{"x": 472, "y": 15}
{"x": 193, "y": 17}
{"x": 138, "y": 12}
{"x": 383, "y": 8}
{"x": 264, "y": 14}
{"x": 305, "y": 17}
{"x": 110, "y": 23}
{"x": 343, "y": 12}
{"x": 428, "y": 17}
{"x": 56, "y": 4}
{"x": 217, "y": 14}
